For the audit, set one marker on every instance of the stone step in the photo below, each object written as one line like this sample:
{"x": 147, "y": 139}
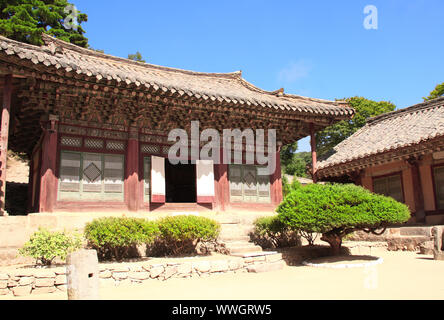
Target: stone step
{"x": 233, "y": 237}
{"x": 241, "y": 247}
{"x": 266, "y": 267}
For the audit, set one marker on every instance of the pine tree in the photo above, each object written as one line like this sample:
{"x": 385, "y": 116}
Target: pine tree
{"x": 26, "y": 20}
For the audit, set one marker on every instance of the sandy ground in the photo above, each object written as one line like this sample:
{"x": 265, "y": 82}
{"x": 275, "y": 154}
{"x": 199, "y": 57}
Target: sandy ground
{"x": 402, "y": 275}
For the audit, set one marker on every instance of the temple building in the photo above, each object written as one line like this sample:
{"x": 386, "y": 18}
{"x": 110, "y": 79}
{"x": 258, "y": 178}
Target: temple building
{"x": 95, "y": 128}
{"x": 399, "y": 154}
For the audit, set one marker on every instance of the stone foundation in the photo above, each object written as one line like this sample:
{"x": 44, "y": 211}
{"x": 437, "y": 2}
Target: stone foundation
{"x": 22, "y": 282}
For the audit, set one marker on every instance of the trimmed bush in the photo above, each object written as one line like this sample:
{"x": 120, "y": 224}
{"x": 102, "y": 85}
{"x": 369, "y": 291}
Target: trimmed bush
{"x": 336, "y": 210}
{"x": 270, "y": 232}
{"x": 181, "y": 234}
{"x": 45, "y": 246}
{"x": 116, "y": 238}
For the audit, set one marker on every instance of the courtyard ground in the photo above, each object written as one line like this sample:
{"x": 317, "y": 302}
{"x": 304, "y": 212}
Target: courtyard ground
{"x": 402, "y": 275}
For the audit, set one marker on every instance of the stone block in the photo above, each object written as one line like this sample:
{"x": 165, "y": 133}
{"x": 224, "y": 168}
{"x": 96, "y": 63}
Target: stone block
{"x": 4, "y": 276}
{"x": 105, "y": 274}
{"x": 117, "y": 268}
{"x": 147, "y": 267}
{"x": 83, "y": 275}
{"x": 139, "y": 275}
{"x": 21, "y": 290}
{"x": 44, "y": 282}
{"x": 44, "y": 274}
{"x": 202, "y": 266}
{"x": 62, "y": 287}
{"x": 12, "y": 283}
{"x": 120, "y": 275}
{"x": 24, "y": 281}
{"x": 60, "y": 279}
{"x": 44, "y": 290}
{"x": 3, "y": 284}
{"x": 169, "y": 272}
{"x": 235, "y": 264}
{"x": 184, "y": 268}
{"x": 219, "y": 266}
{"x": 266, "y": 267}
{"x": 156, "y": 271}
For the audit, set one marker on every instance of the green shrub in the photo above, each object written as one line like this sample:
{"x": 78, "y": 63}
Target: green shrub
{"x": 45, "y": 246}
{"x": 270, "y": 232}
{"x": 117, "y": 238}
{"x": 288, "y": 187}
{"x": 336, "y": 210}
{"x": 180, "y": 234}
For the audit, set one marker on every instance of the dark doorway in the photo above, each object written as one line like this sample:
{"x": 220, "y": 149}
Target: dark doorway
{"x": 180, "y": 181}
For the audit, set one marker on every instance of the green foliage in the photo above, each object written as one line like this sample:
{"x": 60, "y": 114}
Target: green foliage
{"x": 288, "y": 187}
{"x": 270, "y": 232}
{"x": 180, "y": 234}
{"x": 336, "y": 210}
{"x": 26, "y": 20}
{"x": 136, "y": 57}
{"x": 115, "y": 237}
{"x": 297, "y": 166}
{"x": 436, "y": 93}
{"x": 45, "y": 246}
{"x": 334, "y": 134}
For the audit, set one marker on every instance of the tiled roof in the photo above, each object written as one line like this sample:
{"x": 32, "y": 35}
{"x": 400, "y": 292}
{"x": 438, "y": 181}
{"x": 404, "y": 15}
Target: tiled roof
{"x": 391, "y": 131}
{"x": 229, "y": 87}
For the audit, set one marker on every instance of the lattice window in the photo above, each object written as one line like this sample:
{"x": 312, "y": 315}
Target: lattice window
{"x": 115, "y": 145}
{"x": 165, "y": 149}
{"x": 94, "y": 143}
{"x": 91, "y": 176}
{"x": 439, "y": 186}
{"x": 246, "y": 185}
{"x": 113, "y": 177}
{"x": 147, "y": 148}
{"x": 68, "y": 141}
{"x": 146, "y": 178}
{"x": 70, "y": 172}
{"x": 390, "y": 186}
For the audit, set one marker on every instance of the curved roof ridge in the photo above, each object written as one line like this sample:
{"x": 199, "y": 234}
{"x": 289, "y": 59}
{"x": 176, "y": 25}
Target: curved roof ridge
{"x": 417, "y": 107}
{"x": 90, "y": 52}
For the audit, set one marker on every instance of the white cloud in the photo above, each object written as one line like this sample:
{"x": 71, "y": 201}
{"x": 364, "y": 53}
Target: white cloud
{"x": 295, "y": 71}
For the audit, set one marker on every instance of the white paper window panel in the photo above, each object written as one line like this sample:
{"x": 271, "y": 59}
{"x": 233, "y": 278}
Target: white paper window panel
{"x": 205, "y": 177}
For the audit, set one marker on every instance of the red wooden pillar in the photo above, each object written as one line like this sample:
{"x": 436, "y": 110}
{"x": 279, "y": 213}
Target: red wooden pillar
{"x": 7, "y": 93}
{"x": 132, "y": 190}
{"x": 222, "y": 188}
{"x": 48, "y": 178}
{"x": 313, "y": 152}
{"x": 276, "y": 181}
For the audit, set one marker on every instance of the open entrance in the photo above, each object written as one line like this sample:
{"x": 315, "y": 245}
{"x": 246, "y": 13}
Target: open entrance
{"x": 180, "y": 180}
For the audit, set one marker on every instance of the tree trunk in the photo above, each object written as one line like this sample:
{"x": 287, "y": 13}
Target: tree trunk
{"x": 334, "y": 240}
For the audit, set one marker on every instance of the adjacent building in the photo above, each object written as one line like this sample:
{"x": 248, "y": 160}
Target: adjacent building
{"x": 399, "y": 154}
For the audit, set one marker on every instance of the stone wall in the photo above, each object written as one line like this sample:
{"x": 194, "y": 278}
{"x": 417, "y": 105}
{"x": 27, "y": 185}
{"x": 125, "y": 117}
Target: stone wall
{"x": 26, "y": 281}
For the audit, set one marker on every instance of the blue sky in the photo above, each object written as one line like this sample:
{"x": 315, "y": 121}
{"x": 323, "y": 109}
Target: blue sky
{"x": 312, "y": 48}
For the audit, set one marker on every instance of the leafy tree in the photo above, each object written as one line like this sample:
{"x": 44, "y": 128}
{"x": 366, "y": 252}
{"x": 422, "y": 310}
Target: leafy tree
{"x": 136, "y": 57}
{"x": 26, "y": 20}
{"x": 298, "y": 164}
{"x": 335, "y": 210}
{"x": 436, "y": 93}
{"x": 328, "y": 138}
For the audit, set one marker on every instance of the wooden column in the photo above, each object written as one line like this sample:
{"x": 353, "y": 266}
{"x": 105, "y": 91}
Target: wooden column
{"x": 314, "y": 160}
{"x": 418, "y": 192}
{"x": 276, "y": 181}
{"x": 48, "y": 178}
{"x": 7, "y": 93}
{"x": 222, "y": 187}
{"x": 132, "y": 190}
